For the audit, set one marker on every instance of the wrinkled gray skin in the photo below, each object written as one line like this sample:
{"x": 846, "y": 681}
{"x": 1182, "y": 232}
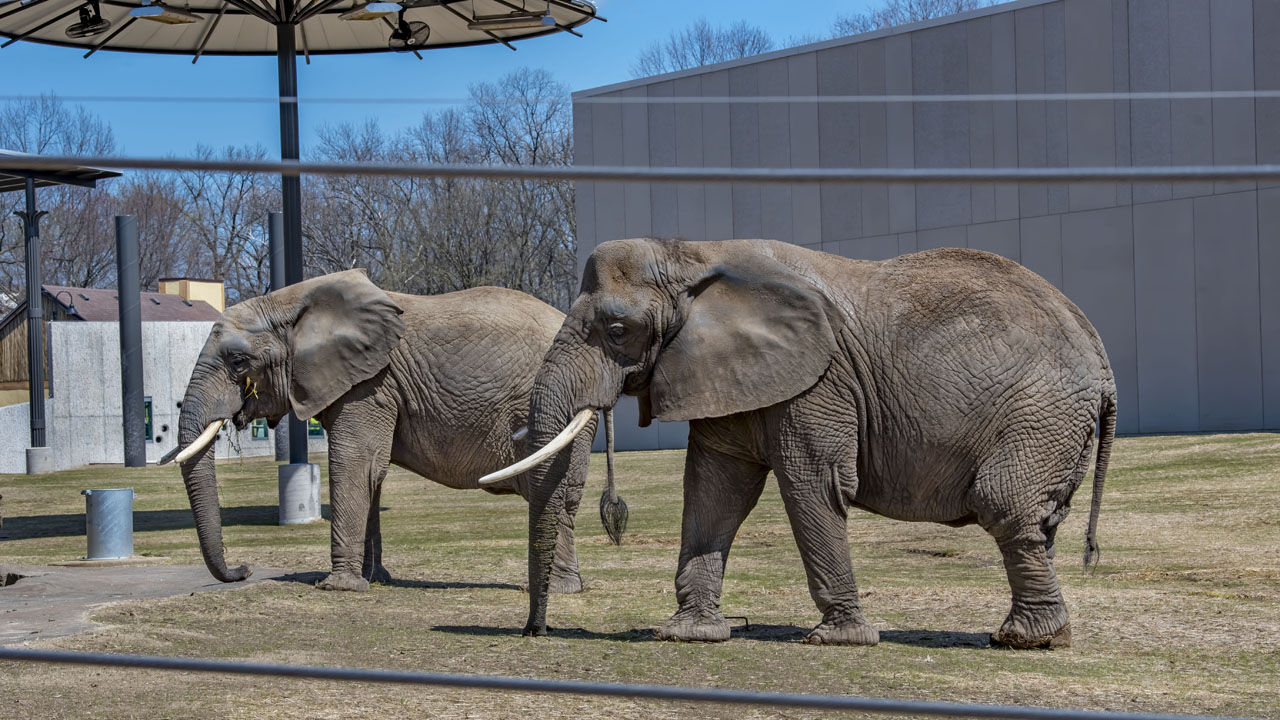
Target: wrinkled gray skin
{"x": 434, "y": 384}
{"x": 949, "y": 386}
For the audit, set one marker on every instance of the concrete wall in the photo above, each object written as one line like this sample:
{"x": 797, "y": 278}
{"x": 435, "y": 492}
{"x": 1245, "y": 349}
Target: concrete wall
{"x": 1175, "y": 277}
{"x": 84, "y": 413}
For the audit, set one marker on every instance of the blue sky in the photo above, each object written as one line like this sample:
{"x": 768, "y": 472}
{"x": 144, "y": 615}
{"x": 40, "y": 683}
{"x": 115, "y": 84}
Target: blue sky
{"x": 157, "y": 128}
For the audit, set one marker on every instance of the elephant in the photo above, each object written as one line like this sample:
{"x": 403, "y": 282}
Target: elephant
{"x": 951, "y": 386}
{"x": 437, "y": 384}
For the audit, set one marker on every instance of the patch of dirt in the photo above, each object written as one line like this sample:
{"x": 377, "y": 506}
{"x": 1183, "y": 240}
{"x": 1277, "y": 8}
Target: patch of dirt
{"x": 54, "y": 601}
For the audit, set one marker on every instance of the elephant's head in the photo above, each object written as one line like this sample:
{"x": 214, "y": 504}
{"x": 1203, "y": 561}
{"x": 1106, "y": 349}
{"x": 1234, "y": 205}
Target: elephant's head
{"x": 694, "y": 330}
{"x": 299, "y": 349}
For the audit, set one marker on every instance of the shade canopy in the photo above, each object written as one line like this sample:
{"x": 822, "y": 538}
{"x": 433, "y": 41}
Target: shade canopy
{"x": 14, "y": 177}
{"x": 246, "y": 27}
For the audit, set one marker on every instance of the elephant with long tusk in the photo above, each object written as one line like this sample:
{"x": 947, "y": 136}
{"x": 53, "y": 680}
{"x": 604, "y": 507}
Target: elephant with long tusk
{"x": 950, "y": 386}
{"x": 438, "y": 385}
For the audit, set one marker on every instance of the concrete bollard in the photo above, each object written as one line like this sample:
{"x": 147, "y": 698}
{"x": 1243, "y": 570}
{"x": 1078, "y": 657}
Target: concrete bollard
{"x": 299, "y": 493}
{"x": 108, "y": 521}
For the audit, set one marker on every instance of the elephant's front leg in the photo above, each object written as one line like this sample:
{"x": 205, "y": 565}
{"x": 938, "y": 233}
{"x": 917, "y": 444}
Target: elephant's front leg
{"x": 359, "y": 450}
{"x": 813, "y": 493}
{"x": 719, "y": 492}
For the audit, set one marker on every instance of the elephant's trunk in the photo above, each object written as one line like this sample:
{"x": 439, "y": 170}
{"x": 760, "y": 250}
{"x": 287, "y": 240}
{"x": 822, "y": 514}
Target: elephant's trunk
{"x": 201, "y": 479}
{"x": 560, "y": 392}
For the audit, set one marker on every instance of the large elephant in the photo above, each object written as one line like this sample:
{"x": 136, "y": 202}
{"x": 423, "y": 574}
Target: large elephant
{"x": 437, "y": 385}
{"x": 950, "y": 386}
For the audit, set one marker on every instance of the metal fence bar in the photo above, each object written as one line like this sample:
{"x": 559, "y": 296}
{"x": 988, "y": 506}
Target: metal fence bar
{"x": 596, "y": 173}
{"x": 887, "y": 706}
{"x": 1153, "y": 96}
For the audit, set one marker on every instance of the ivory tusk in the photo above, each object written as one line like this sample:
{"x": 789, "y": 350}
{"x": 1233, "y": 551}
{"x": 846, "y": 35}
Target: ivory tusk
{"x": 197, "y": 445}
{"x": 557, "y": 444}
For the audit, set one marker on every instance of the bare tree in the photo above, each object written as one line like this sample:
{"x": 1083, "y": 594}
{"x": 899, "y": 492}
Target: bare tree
{"x": 165, "y": 247}
{"x": 701, "y": 44}
{"x": 77, "y": 242}
{"x": 431, "y": 235}
{"x": 901, "y": 12}
{"x": 226, "y": 216}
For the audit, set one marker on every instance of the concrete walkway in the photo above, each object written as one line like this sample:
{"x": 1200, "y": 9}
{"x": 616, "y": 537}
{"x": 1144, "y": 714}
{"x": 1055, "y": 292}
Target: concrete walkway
{"x": 54, "y": 601}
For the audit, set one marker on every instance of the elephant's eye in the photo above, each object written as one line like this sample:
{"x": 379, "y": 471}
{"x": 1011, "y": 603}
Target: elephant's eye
{"x": 239, "y": 363}
{"x": 617, "y": 330}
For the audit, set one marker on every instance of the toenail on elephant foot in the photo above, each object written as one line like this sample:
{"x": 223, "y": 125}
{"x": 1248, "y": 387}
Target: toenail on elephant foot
{"x": 850, "y": 633}
{"x": 699, "y": 628}
{"x": 344, "y": 581}
{"x": 567, "y": 584}
{"x": 1011, "y": 635}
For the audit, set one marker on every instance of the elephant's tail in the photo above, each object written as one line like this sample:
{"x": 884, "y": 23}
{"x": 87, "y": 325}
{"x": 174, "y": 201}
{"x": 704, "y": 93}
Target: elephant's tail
{"x": 613, "y": 510}
{"x": 1106, "y": 433}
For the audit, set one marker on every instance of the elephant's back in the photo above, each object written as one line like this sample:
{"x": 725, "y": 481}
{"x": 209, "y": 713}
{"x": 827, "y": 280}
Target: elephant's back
{"x": 977, "y": 294}
{"x": 468, "y": 359}
{"x": 977, "y": 346}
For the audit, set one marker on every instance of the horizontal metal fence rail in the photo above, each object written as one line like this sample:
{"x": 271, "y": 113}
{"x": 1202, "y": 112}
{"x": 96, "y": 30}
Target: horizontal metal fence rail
{"x": 871, "y": 99}
{"x": 886, "y": 706}
{"x": 598, "y": 173}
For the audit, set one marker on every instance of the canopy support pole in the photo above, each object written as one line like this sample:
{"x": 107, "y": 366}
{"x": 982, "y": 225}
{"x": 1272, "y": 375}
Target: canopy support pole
{"x": 291, "y": 190}
{"x": 35, "y": 316}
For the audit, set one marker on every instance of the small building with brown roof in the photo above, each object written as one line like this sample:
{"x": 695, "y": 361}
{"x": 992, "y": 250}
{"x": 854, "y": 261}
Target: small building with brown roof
{"x": 64, "y": 303}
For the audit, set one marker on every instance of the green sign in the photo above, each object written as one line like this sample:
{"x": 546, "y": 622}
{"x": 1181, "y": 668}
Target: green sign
{"x": 314, "y": 429}
{"x": 258, "y": 429}
{"x": 146, "y": 417}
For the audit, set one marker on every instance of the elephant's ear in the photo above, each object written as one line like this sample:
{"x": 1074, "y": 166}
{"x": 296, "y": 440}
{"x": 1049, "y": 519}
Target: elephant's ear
{"x": 755, "y": 333}
{"x": 345, "y": 330}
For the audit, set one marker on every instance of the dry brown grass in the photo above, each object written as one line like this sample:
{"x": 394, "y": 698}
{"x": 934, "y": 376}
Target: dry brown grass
{"x": 1181, "y": 616}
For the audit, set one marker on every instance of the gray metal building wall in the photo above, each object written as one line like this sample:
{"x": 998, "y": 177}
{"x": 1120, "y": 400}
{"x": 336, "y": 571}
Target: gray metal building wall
{"x": 1179, "y": 279}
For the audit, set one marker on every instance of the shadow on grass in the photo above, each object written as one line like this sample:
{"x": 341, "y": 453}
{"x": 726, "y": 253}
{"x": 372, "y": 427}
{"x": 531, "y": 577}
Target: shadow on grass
{"x": 312, "y": 577}
{"x": 72, "y": 524}
{"x": 633, "y": 635}
{"x": 441, "y": 585}
{"x": 761, "y": 633}
{"x": 936, "y": 638}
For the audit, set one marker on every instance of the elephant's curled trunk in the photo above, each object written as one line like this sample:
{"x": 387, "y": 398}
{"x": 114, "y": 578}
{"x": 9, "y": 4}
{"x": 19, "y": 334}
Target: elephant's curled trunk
{"x": 201, "y": 480}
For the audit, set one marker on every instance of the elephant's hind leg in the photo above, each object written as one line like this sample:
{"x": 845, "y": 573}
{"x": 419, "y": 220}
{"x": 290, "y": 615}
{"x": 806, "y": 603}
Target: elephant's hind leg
{"x": 373, "y": 570}
{"x": 719, "y": 492}
{"x": 1022, "y": 513}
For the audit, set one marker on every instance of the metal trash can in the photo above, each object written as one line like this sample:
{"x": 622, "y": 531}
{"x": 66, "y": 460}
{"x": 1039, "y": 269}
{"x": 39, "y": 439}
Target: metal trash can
{"x": 108, "y": 522}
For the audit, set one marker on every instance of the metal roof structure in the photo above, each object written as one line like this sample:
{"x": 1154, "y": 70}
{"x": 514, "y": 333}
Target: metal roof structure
{"x": 247, "y": 27}
{"x": 284, "y": 28}
{"x": 14, "y": 178}
{"x": 102, "y": 305}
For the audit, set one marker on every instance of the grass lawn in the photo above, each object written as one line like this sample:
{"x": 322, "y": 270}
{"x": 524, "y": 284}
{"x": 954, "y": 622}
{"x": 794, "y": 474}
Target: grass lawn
{"x": 1182, "y": 615}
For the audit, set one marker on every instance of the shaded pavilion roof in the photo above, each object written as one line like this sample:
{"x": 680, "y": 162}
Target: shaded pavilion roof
{"x": 15, "y": 178}
{"x": 246, "y": 27}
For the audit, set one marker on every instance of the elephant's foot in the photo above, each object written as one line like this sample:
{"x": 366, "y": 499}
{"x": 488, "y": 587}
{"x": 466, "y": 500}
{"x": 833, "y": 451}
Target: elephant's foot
{"x": 1023, "y": 631}
{"x": 344, "y": 581}
{"x": 566, "y": 581}
{"x": 694, "y": 626}
{"x": 376, "y": 574}
{"x": 850, "y": 632}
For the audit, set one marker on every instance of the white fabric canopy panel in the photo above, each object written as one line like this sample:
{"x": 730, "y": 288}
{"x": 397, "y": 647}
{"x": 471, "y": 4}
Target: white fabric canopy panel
{"x": 246, "y": 27}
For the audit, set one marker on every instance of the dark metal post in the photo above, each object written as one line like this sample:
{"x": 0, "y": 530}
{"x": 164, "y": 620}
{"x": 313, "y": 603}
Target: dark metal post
{"x": 275, "y": 239}
{"x": 291, "y": 186}
{"x": 35, "y": 316}
{"x": 130, "y": 301}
